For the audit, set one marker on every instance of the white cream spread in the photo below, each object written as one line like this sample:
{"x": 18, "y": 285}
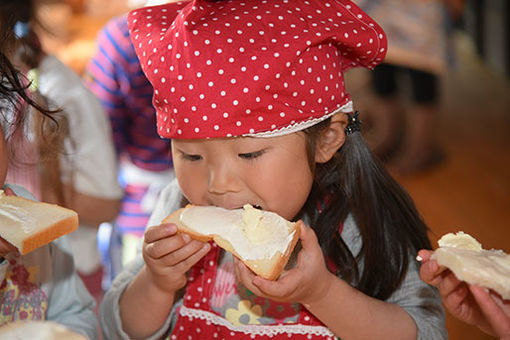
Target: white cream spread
{"x": 460, "y": 240}
{"x": 254, "y": 234}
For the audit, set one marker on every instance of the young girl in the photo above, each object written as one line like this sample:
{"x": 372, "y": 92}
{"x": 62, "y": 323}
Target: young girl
{"x": 252, "y": 95}
{"x": 77, "y": 171}
{"x": 42, "y": 285}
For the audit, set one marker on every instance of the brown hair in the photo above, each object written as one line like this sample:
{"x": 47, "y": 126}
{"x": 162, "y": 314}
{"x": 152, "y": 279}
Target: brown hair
{"x": 30, "y": 109}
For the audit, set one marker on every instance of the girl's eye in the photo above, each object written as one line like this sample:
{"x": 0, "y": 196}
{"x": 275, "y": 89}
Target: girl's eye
{"x": 189, "y": 157}
{"x": 251, "y": 155}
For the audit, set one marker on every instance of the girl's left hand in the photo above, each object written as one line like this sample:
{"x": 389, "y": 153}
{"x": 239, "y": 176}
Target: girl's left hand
{"x": 307, "y": 282}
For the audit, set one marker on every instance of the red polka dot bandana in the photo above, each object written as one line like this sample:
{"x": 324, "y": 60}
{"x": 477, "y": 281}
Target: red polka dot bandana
{"x": 251, "y": 67}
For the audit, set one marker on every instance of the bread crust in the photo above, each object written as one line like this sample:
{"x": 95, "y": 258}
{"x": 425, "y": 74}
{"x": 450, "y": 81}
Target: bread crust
{"x": 64, "y": 221}
{"x": 49, "y": 234}
{"x": 269, "y": 268}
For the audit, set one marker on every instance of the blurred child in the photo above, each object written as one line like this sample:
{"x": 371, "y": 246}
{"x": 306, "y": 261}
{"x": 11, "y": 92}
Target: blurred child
{"x": 116, "y": 78}
{"x": 42, "y": 285}
{"x": 407, "y": 84}
{"x": 469, "y": 303}
{"x": 79, "y": 170}
{"x": 253, "y": 97}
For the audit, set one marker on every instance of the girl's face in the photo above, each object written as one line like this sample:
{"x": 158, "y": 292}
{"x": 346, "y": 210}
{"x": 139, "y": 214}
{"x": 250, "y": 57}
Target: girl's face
{"x": 271, "y": 173}
{"x": 3, "y": 159}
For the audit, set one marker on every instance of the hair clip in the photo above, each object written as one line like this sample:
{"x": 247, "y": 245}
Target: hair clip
{"x": 21, "y": 29}
{"x": 353, "y": 123}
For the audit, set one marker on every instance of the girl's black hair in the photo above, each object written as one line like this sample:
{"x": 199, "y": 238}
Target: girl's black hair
{"x": 390, "y": 226}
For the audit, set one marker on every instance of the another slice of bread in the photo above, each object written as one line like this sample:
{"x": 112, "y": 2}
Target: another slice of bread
{"x": 466, "y": 258}
{"x": 40, "y": 330}
{"x": 28, "y": 224}
{"x": 263, "y": 240}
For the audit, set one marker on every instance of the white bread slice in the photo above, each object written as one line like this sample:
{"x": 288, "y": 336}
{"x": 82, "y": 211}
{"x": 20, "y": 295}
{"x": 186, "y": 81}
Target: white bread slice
{"x": 263, "y": 240}
{"x": 28, "y": 224}
{"x": 466, "y": 258}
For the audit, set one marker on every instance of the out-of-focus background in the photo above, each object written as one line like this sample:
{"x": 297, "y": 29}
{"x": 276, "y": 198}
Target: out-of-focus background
{"x": 469, "y": 189}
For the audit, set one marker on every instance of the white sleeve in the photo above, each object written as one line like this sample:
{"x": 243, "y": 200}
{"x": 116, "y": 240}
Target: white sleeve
{"x": 70, "y": 303}
{"x": 90, "y": 153}
{"x": 169, "y": 200}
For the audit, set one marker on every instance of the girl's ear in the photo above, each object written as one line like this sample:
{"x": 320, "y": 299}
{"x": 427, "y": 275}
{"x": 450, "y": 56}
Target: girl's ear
{"x": 331, "y": 139}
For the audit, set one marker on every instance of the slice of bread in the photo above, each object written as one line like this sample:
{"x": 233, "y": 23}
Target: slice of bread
{"x": 28, "y": 224}
{"x": 466, "y": 258}
{"x": 263, "y": 240}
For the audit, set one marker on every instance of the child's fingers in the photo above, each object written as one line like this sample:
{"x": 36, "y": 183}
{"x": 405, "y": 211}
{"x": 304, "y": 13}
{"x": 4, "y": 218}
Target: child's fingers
{"x": 307, "y": 237}
{"x": 6, "y": 247}
{"x": 432, "y": 273}
{"x": 9, "y": 192}
{"x": 424, "y": 255}
{"x": 498, "y": 319}
{"x": 448, "y": 284}
{"x": 193, "y": 258}
{"x": 181, "y": 254}
{"x": 457, "y": 297}
{"x": 168, "y": 245}
{"x": 159, "y": 232}
{"x": 283, "y": 287}
{"x": 246, "y": 276}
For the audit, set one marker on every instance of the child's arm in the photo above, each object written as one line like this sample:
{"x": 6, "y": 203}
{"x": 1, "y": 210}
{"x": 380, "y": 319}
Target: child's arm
{"x": 346, "y": 311}
{"x": 168, "y": 256}
{"x": 470, "y": 304}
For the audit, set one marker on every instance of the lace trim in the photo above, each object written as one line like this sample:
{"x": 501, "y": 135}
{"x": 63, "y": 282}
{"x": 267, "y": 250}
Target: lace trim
{"x": 261, "y": 330}
{"x": 346, "y": 108}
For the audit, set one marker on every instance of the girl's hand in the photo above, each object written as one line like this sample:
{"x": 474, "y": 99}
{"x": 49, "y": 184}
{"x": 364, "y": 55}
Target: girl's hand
{"x": 307, "y": 282}
{"x": 6, "y": 247}
{"x": 470, "y": 304}
{"x": 169, "y": 255}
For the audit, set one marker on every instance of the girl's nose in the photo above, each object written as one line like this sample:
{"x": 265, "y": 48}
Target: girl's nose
{"x": 223, "y": 179}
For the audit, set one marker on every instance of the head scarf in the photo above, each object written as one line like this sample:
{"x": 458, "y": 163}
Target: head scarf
{"x": 251, "y": 67}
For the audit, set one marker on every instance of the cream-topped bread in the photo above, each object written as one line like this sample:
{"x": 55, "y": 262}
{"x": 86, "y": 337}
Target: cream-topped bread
{"x": 263, "y": 240}
{"x": 28, "y": 224}
{"x": 466, "y": 258}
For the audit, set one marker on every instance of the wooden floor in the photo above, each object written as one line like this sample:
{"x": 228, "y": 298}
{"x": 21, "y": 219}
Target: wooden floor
{"x": 469, "y": 191}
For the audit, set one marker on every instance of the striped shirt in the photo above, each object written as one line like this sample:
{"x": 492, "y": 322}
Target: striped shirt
{"x": 114, "y": 74}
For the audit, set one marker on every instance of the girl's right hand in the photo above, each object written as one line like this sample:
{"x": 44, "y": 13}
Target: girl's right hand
{"x": 169, "y": 255}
